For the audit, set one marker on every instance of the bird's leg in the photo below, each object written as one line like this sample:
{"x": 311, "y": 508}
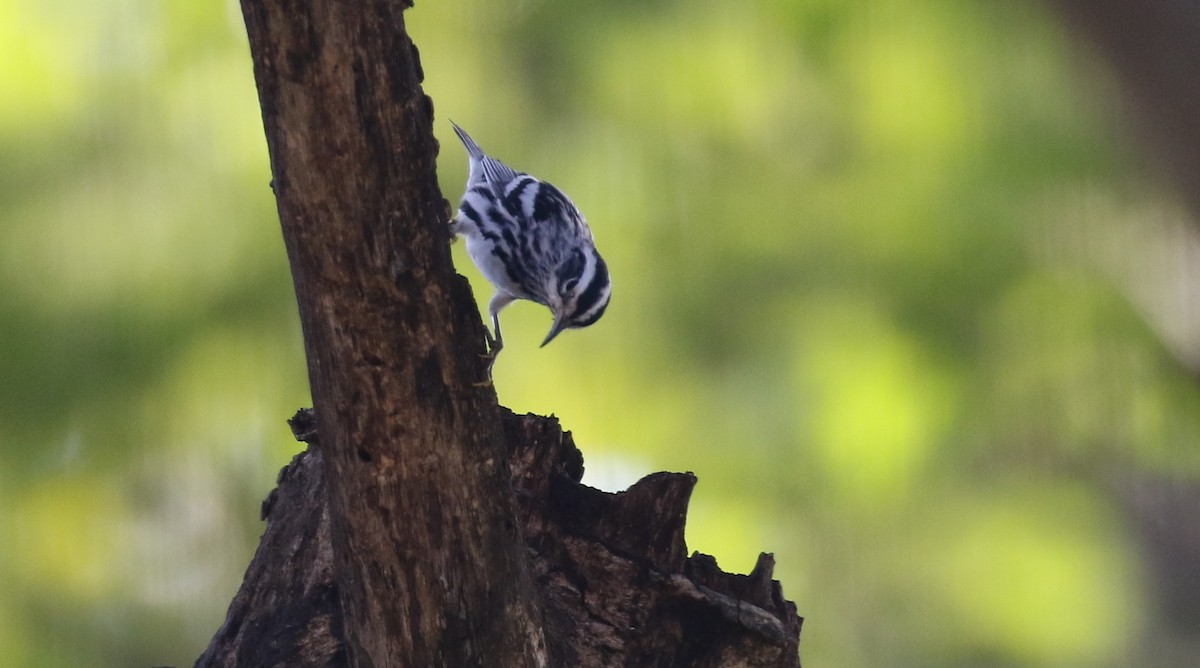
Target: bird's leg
{"x": 495, "y": 344}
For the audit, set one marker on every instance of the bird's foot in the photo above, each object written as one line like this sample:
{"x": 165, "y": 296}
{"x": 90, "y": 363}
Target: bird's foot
{"x": 494, "y": 347}
{"x": 487, "y": 381}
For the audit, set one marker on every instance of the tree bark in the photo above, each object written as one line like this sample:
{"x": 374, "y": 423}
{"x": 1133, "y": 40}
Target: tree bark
{"x": 430, "y": 567}
{"x": 425, "y": 525}
{"x": 613, "y": 581}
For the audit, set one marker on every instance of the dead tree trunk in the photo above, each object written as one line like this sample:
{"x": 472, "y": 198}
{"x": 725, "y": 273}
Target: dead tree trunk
{"x": 425, "y": 525}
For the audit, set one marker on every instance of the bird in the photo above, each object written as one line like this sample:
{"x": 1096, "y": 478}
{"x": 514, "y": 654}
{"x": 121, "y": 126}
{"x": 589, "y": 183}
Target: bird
{"x": 531, "y": 242}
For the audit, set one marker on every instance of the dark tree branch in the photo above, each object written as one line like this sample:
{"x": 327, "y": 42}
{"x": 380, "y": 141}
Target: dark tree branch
{"x": 425, "y": 525}
{"x": 430, "y": 566}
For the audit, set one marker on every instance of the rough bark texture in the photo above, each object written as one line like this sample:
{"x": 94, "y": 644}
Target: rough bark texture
{"x": 288, "y": 611}
{"x": 612, "y": 575}
{"x": 616, "y": 584}
{"x": 426, "y": 526}
{"x": 430, "y": 566}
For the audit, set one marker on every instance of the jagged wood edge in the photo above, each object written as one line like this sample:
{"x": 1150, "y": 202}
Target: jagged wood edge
{"x": 612, "y": 572}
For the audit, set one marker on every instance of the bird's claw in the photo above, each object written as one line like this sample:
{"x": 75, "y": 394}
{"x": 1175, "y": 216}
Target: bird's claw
{"x": 494, "y": 347}
{"x": 487, "y": 382}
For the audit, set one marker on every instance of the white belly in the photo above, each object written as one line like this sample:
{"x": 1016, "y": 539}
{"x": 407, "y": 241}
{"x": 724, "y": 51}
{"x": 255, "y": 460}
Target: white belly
{"x": 489, "y": 265}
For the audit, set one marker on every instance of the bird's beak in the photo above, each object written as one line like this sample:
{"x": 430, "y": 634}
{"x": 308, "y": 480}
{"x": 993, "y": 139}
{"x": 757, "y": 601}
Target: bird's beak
{"x": 559, "y": 325}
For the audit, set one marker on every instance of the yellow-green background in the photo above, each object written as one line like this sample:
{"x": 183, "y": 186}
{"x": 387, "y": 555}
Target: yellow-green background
{"x": 892, "y": 278}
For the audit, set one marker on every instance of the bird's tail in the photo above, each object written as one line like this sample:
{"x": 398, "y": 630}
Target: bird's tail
{"x": 473, "y": 149}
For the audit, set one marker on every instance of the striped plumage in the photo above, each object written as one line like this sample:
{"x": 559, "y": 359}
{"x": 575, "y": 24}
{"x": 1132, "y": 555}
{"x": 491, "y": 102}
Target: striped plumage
{"x": 531, "y": 242}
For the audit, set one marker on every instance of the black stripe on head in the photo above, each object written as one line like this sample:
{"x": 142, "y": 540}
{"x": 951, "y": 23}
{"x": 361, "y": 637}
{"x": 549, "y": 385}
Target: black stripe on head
{"x": 598, "y": 289}
{"x": 571, "y": 269}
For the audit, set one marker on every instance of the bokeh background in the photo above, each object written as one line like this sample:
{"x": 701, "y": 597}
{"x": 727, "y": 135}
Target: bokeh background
{"x": 898, "y": 281}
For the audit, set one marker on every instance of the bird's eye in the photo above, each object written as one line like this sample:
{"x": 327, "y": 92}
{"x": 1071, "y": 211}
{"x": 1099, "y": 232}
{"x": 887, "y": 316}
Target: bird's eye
{"x": 568, "y": 286}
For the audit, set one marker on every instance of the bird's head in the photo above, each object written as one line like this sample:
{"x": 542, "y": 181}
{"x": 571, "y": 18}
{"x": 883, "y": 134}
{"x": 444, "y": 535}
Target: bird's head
{"x": 580, "y": 290}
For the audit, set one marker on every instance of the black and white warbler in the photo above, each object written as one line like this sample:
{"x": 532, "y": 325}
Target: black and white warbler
{"x": 530, "y": 242}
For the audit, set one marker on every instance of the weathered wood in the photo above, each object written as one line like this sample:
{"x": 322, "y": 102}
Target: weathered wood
{"x": 288, "y": 611}
{"x": 430, "y": 566}
{"x": 615, "y": 580}
{"x": 610, "y": 569}
{"x": 425, "y": 526}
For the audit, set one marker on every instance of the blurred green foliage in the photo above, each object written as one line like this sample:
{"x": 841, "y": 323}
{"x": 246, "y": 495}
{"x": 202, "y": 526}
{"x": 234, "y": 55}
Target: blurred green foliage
{"x": 872, "y": 285}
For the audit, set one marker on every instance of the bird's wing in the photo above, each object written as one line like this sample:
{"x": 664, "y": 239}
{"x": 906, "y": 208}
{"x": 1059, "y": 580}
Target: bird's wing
{"x": 550, "y": 207}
